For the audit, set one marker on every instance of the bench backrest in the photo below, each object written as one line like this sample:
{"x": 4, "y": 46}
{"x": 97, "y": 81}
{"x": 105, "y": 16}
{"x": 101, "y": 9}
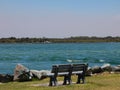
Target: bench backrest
{"x": 79, "y": 67}
{"x": 61, "y": 69}
{"x": 64, "y": 68}
{"x": 69, "y": 68}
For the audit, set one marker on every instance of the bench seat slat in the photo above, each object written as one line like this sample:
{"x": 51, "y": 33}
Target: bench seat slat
{"x": 77, "y": 72}
{"x": 59, "y": 74}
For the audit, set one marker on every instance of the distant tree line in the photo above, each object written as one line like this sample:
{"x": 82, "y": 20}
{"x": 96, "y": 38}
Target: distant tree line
{"x": 76, "y": 39}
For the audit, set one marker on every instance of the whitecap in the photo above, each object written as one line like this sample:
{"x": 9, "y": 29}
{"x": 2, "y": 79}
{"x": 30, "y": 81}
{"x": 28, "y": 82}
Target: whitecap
{"x": 69, "y": 60}
{"x": 101, "y": 60}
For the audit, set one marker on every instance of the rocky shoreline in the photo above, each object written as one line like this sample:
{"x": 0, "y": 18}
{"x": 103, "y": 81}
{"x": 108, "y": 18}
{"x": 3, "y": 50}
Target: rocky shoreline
{"x": 22, "y": 73}
{"x": 105, "y": 68}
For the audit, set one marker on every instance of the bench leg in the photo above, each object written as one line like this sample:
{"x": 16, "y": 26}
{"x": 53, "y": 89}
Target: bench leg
{"x": 70, "y": 81}
{"x": 50, "y": 83}
{"x": 67, "y": 79}
{"x": 53, "y": 81}
{"x": 83, "y": 79}
{"x": 80, "y": 77}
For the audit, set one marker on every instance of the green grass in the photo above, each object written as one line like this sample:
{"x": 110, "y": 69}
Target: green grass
{"x": 96, "y": 82}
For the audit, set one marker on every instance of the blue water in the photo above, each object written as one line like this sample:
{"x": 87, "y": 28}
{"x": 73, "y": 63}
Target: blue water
{"x": 43, "y": 56}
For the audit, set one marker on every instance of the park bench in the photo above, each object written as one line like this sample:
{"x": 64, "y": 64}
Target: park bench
{"x": 67, "y": 70}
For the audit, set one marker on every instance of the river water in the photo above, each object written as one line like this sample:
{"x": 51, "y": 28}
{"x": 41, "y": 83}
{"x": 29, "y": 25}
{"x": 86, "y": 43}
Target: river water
{"x": 43, "y": 56}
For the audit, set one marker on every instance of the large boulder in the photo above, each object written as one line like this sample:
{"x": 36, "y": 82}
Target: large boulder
{"x": 116, "y": 68}
{"x": 6, "y": 78}
{"x": 106, "y": 67}
{"x": 21, "y": 73}
{"x": 96, "y": 69}
{"x": 39, "y": 74}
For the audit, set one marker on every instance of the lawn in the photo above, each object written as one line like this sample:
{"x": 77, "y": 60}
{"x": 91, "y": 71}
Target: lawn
{"x": 103, "y": 81}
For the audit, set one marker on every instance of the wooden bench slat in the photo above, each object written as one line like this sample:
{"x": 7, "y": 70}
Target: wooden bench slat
{"x": 64, "y": 68}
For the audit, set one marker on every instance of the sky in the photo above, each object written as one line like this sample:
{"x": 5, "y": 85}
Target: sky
{"x": 59, "y": 18}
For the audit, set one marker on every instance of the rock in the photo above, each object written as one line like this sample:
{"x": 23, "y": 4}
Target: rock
{"x": 89, "y": 71}
{"x": 21, "y": 73}
{"x": 6, "y": 78}
{"x": 116, "y": 69}
{"x": 96, "y": 69}
{"x": 106, "y": 67}
{"x": 25, "y": 76}
{"x": 39, "y": 74}
{"x": 118, "y": 65}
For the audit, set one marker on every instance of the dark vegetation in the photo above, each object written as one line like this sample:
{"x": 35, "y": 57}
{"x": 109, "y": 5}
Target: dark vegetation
{"x": 77, "y": 39}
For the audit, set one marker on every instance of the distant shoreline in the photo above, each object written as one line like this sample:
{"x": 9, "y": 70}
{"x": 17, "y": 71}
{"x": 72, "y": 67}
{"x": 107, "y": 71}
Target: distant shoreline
{"x": 78, "y": 39}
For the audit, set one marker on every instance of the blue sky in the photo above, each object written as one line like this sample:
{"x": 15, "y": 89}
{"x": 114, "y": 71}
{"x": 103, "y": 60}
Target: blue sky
{"x": 59, "y": 18}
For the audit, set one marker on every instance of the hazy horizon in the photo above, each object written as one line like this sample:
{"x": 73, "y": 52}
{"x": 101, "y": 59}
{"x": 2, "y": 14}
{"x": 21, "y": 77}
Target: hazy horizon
{"x": 61, "y": 37}
{"x": 59, "y": 18}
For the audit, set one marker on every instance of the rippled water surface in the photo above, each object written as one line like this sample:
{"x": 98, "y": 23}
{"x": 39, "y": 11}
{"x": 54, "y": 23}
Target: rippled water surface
{"x": 43, "y": 56}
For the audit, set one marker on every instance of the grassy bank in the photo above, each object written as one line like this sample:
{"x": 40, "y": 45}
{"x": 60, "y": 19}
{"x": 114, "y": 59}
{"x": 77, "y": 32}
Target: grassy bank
{"x": 97, "y": 82}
